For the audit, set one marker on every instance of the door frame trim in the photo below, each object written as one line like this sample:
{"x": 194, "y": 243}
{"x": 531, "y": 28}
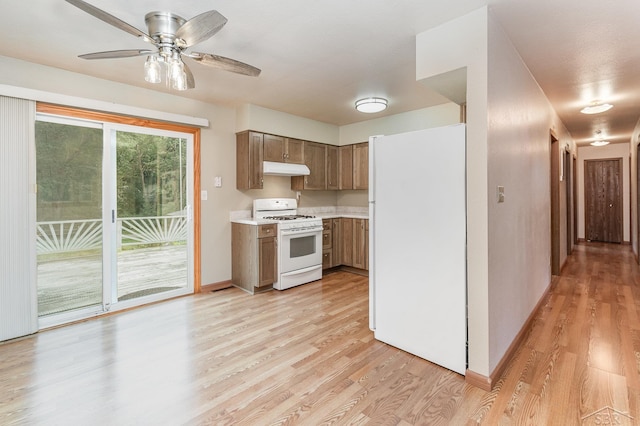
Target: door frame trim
{"x": 46, "y": 108}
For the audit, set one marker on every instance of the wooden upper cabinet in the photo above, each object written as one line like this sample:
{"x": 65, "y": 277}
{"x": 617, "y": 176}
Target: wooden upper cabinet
{"x": 283, "y": 150}
{"x": 294, "y": 150}
{"x": 361, "y": 166}
{"x": 333, "y": 181}
{"x": 274, "y": 149}
{"x": 315, "y": 157}
{"x": 345, "y": 167}
{"x": 249, "y": 157}
{"x": 332, "y": 167}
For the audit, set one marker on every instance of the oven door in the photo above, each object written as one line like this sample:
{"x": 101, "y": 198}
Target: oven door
{"x": 300, "y": 249}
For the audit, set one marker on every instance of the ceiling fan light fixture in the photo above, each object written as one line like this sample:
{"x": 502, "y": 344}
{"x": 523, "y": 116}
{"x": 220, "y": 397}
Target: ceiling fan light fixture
{"x": 177, "y": 78}
{"x": 152, "y": 70}
{"x": 371, "y": 105}
{"x": 599, "y": 143}
{"x": 596, "y": 107}
{"x": 171, "y": 35}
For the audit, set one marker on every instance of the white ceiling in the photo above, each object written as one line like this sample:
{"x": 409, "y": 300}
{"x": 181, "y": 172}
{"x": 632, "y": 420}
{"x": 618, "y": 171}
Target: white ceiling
{"x": 318, "y": 57}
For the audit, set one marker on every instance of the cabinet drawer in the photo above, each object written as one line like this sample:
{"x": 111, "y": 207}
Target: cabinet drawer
{"x": 326, "y": 224}
{"x": 326, "y": 259}
{"x": 267, "y": 230}
{"x": 326, "y": 239}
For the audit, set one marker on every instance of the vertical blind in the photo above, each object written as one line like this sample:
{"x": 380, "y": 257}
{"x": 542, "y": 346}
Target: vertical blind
{"x": 18, "y": 292}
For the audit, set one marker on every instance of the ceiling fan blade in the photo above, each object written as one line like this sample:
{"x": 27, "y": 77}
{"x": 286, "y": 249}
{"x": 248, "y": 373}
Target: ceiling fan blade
{"x": 109, "y": 19}
{"x": 201, "y": 27}
{"x": 226, "y": 64}
{"x": 191, "y": 82}
{"x": 113, "y": 54}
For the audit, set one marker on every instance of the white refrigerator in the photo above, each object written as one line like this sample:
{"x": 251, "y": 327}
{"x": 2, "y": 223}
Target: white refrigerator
{"x": 417, "y": 243}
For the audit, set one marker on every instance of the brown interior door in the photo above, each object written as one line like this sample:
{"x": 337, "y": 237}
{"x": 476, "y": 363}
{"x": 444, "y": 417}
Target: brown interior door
{"x": 603, "y": 200}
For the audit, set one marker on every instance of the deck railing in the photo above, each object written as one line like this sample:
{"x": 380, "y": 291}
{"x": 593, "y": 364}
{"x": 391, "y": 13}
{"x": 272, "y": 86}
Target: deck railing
{"x": 77, "y": 235}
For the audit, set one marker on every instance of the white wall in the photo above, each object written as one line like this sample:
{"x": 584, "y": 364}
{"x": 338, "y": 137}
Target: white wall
{"x": 253, "y": 117}
{"x": 611, "y": 151}
{"x": 508, "y": 126}
{"x": 520, "y": 119}
{"x": 436, "y": 116}
{"x": 633, "y": 183}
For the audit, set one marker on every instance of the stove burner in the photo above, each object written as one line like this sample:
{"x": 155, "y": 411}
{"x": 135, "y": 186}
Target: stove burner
{"x": 289, "y": 217}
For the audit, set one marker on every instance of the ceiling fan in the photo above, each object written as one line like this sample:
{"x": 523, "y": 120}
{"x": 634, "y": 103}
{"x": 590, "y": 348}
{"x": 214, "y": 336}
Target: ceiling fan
{"x": 171, "y": 35}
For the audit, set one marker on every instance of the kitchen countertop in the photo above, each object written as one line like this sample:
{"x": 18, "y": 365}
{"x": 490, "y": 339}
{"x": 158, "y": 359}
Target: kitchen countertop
{"x": 244, "y": 216}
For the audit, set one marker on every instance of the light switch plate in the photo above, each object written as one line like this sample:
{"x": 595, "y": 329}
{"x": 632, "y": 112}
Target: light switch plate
{"x": 217, "y": 181}
{"x": 204, "y": 195}
{"x": 500, "y": 193}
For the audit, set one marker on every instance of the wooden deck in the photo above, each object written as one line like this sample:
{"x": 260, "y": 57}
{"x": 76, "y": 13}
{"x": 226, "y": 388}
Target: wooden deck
{"x": 74, "y": 283}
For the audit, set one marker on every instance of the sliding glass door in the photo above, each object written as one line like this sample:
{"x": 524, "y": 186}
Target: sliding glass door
{"x": 69, "y": 157}
{"x": 114, "y": 217}
{"x": 152, "y": 213}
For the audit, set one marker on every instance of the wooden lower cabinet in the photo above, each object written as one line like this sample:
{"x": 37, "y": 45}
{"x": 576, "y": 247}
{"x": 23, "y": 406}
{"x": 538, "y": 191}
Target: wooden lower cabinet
{"x": 336, "y": 246}
{"x": 254, "y": 254}
{"x": 327, "y": 244}
{"x": 360, "y": 249}
{"x": 349, "y": 243}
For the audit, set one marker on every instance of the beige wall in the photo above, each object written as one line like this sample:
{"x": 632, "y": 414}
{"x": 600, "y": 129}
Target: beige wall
{"x": 217, "y": 147}
{"x": 508, "y": 125}
{"x": 612, "y": 151}
{"x": 633, "y": 185}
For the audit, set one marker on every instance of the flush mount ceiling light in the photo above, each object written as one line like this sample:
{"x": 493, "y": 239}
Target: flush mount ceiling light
{"x": 599, "y": 143}
{"x": 596, "y": 107}
{"x": 371, "y": 105}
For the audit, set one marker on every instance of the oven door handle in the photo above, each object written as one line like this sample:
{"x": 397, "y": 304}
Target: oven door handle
{"x": 303, "y": 231}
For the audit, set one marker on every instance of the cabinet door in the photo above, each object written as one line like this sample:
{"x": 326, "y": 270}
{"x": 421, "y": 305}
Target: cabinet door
{"x": 347, "y": 241}
{"x": 294, "y": 151}
{"x": 315, "y": 158}
{"x": 268, "y": 261}
{"x": 359, "y": 244}
{"x": 336, "y": 246}
{"x": 332, "y": 167}
{"x": 345, "y": 167}
{"x": 255, "y": 160}
{"x": 249, "y": 160}
{"x": 274, "y": 148}
{"x": 361, "y": 166}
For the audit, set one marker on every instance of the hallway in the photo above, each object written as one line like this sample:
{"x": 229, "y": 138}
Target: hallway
{"x": 582, "y": 355}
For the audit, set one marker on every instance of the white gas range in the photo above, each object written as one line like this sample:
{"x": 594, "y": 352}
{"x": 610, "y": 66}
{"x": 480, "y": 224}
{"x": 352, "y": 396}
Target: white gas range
{"x": 299, "y": 241}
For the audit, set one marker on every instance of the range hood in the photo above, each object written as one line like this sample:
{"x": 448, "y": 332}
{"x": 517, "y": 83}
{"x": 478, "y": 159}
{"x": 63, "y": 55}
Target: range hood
{"x": 284, "y": 169}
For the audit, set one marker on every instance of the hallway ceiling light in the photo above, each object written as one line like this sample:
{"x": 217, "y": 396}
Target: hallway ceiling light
{"x": 371, "y": 105}
{"x": 599, "y": 143}
{"x": 596, "y": 107}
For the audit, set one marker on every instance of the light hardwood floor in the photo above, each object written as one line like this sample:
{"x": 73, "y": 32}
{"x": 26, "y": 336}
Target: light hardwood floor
{"x": 306, "y": 356}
